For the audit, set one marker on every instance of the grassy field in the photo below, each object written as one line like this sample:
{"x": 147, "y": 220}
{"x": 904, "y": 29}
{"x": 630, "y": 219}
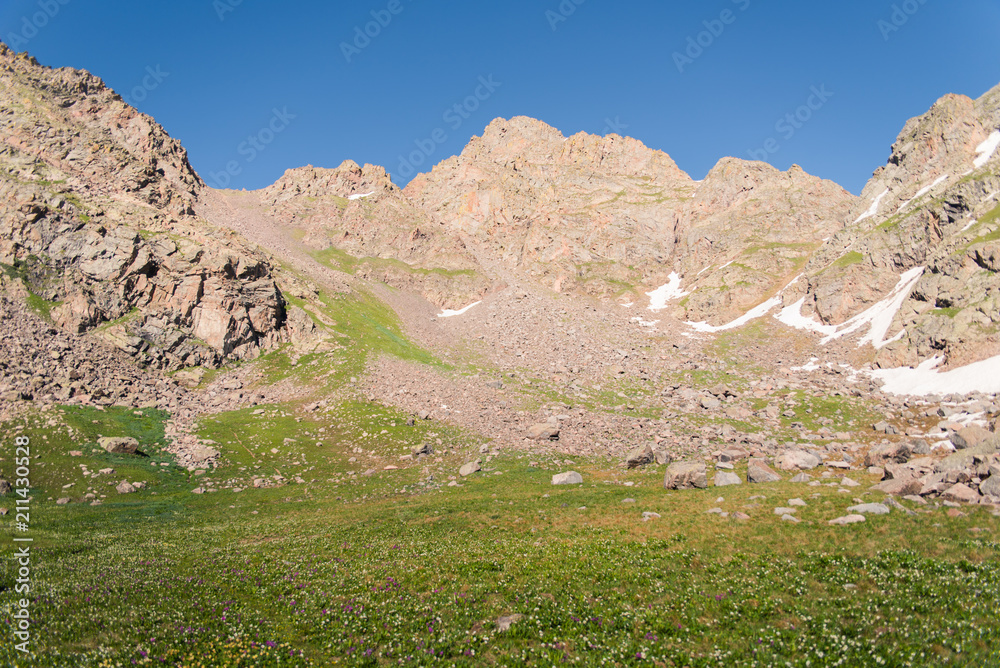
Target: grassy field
{"x": 398, "y": 568}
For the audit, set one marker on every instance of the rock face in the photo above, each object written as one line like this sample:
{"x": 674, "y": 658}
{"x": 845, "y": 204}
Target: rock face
{"x": 589, "y": 214}
{"x": 95, "y": 218}
{"x": 932, "y": 206}
{"x": 380, "y": 234}
{"x": 686, "y": 475}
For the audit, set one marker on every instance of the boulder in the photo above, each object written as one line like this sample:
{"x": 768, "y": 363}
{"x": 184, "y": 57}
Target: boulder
{"x": 759, "y": 472}
{"x": 969, "y": 437}
{"x": 543, "y": 431}
{"x": 869, "y": 509}
{"x": 961, "y": 494}
{"x": 733, "y": 455}
{"x": 990, "y": 486}
{"x": 725, "y": 479}
{"x": 896, "y": 453}
{"x": 639, "y": 457}
{"x": 686, "y": 475}
{"x": 124, "y": 488}
{"x": 424, "y": 449}
{"x": 797, "y": 460}
{"x": 567, "y": 478}
{"x": 470, "y": 468}
{"x": 899, "y": 486}
{"x": 119, "y": 445}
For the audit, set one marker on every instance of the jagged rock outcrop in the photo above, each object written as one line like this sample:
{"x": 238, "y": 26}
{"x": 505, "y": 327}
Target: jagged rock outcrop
{"x": 95, "y": 219}
{"x": 933, "y": 205}
{"x": 359, "y": 221}
{"x": 609, "y": 216}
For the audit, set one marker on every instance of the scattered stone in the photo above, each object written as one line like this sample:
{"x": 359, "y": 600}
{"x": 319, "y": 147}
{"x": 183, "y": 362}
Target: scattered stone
{"x": 504, "y": 623}
{"x": 567, "y": 478}
{"x": 470, "y": 468}
{"x": 784, "y": 511}
{"x": 796, "y": 460}
{"x": 802, "y": 477}
{"x": 543, "y": 432}
{"x": 797, "y": 503}
{"x": 869, "y": 509}
{"x": 790, "y": 518}
{"x": 639, "y": 457}
{"x": 646, "y": 516}
{"x": 847, "y": 519}
{"x": 119, "y": 445}
{"x": 686, "y": 475}
{"x": 847, "y": 482}
{"x": 63, "y": 501}
{"x": 961, "y": 494}
{"x": 759, "y": 472}
{"x": 725, "y": 479}
{"x": 124, "y": 488}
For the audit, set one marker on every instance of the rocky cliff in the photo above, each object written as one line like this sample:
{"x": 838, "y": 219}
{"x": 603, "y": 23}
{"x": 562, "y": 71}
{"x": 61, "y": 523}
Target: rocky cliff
{"x": 932, "y": 206}
{"x": 608, "y": 216}
{"x": 96, "y": 220}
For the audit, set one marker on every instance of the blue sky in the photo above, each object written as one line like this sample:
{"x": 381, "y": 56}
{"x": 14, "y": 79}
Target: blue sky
{"x": 217, "y": 72}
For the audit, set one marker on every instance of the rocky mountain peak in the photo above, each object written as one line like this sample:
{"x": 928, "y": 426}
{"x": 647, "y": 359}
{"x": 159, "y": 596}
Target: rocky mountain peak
{"x": 347, "y": 181}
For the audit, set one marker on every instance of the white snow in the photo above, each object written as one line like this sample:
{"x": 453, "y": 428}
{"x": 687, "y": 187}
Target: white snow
{"x": 987, "y": 149}
{"x": 927, "y": 380}
{"x": 923, "y": 191}
{"x": 972, "y": 222}
{"x": 879, "y": 316}
{"x": 659, "y": 297}
{"x": 356, "y": 197}
{"x": 450, "y": 314}
{"x": 873, "y": 209}
{"x": 758, "y": 312}
{"x": 628, "y": 305}
{"x": 792, "y": 316}
{"x": 809, "y": 366}
{"x": 645, "y": 323}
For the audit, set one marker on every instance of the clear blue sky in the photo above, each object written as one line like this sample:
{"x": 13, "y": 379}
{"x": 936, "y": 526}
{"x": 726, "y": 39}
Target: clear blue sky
{"x": 221, "y": 78}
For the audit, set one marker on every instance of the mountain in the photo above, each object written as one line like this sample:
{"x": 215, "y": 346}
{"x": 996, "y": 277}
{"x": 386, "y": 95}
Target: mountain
{"x": 932, "y": 208}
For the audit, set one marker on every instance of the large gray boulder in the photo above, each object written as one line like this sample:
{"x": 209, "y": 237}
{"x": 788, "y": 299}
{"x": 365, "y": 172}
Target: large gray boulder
{"x": 568, "y": 478}
{"x": 686, "y": 475}
{"x": 725, "y": 479}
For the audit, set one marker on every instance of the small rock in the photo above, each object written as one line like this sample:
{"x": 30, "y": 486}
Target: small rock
{"x": 646, "y": 516}
{"x": 869, "y": 509}
{"x": 124, "y": 488}
{"x": 847, "y": 519}
{"x": 686, "y": 475}
{"x": 504, "y": 623}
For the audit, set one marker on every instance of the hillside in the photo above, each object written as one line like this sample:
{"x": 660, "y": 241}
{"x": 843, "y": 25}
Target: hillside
{"x": 553, "y": 402}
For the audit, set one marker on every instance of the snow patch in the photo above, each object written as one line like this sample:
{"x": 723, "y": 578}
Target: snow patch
{"x": 873, "y": 209}
{"x": 357, "y": 197}
{"x": 987, "y": 149}
{"x": 659, "y": 297}
{"x": 451, "y": 314}
{"x": 879, "y": 315}
{"x": 971, "y": 223}
{"x": 758, "y": 312}
{"x": 926, "y": 379}
{"x": 645, "y": 323}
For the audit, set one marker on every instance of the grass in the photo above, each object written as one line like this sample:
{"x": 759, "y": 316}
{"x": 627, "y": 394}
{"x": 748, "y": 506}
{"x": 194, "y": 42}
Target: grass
{"x": 383, "y": 571}
{"x": 848, "y": 259}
